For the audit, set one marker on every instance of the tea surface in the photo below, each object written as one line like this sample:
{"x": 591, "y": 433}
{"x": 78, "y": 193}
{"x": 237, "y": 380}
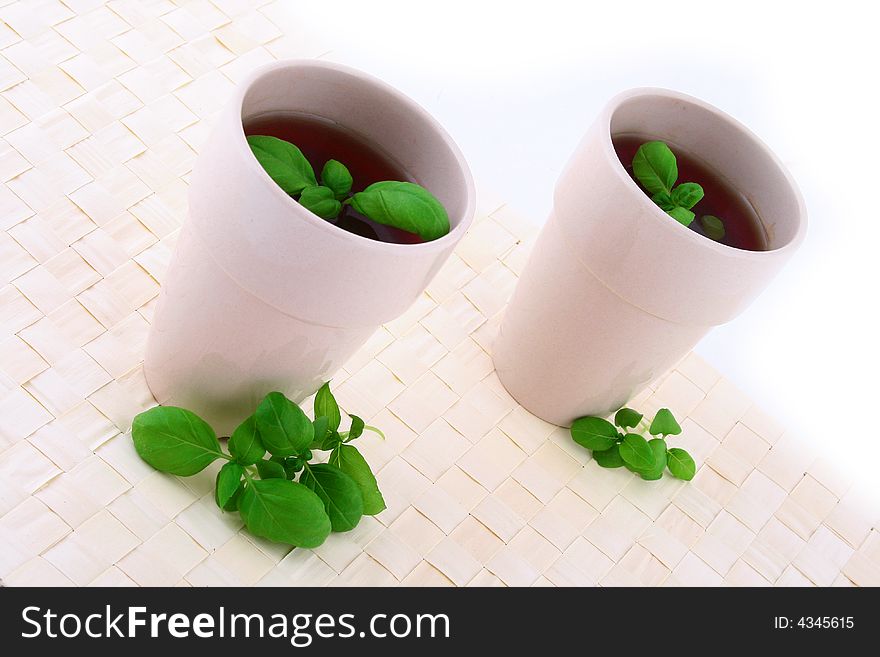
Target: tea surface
{"x": 742, "y": 226}
{"x": 321, "y": 140}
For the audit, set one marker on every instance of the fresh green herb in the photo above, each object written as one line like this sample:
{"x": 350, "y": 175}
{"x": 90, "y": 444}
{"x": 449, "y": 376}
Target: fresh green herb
{"x": 348, "y": 459}
{"x": 284, "y": 428}
{"x": 681, "y": 464}
{"x": 336, "y": 176}
{"x": 655, "y": 167}
{"x": 320, "y": 200}
{"x": 664, "y": 424}
{"x": 628, "y": 447}
{"x": 175, "y": 440}
{"x": 626, "y": 418}
{"x": 403, "y": 205}
{"x": 713, "y": 227}
{"x": 636, "y": 451}
{"x": 328, "y": 496}
{"x": 340, "y": 493}
{"x": 594, "y": 433}
{"x": 284, "y": 163}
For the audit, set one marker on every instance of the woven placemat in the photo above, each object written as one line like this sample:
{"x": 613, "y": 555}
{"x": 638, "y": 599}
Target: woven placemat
{"x": 102, "y": 110}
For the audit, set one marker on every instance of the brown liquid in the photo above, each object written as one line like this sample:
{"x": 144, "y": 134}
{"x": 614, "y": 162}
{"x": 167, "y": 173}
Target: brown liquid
{"x": 742, "y": 226}
{"x": 321, "y": 140}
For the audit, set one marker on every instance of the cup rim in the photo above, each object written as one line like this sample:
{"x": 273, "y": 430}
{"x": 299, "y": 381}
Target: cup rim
{"x": 392, "y": 248}
{"x": 654, "y": 211}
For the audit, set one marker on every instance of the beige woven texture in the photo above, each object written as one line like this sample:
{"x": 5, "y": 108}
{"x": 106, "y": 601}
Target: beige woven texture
{"x": 102, "y": 110}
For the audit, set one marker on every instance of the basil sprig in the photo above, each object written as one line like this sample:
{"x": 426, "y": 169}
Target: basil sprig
{"x": 402, "y": 205}
{"x": 266, "y": 453}
{"x": 622, "y": 444}
{"x": 655, "y": 167}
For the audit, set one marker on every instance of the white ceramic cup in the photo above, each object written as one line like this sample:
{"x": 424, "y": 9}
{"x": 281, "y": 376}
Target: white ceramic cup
{"x": 262, "y": 294}
{"x": 616, "y": 291}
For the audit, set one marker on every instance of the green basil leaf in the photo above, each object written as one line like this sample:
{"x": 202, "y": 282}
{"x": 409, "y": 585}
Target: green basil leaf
{"x": 594, "y": 433}
{"x": 337, "y": 177}
{"x": 228, "y": 481}
{"x": 681, "y": 215}
{"x": 687, "y": 195}
{"x": 284, "y": 428}
{"x": 271, "y": 469}
{"x": 326, "y": 406}
{"x": 321, "y": 201}
{"x": 339, "y": 492}
{"x": 627, "y": 418}
{"x": 348, "y": 459}
{"x": 321, "y": 431}
{"x": 658, "y": 447}
{"x": 331, "y": 441}
{"x": 284, "y": 163}
{"x": 713, "y": 227}
{"x": 245, "y": 444}
{"x": 609, "y": 458}
{"x": 403, "y": 205}
{"x": 232, "y": 502}
{"x": 664, "y": 424}
{"x": 356, "y": 429}
{"x": 285, "y": 512}
{"x": 664, "y": 200}
{"x": 635, "y": 451}
{"x": 292, "y": 465}
{"x": 175, "y": 440}
{"x": 681, "y": 464}
{"x": 654, "y": 166}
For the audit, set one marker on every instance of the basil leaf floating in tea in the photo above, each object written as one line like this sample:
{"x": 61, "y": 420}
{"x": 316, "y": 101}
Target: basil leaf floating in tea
{"x": 681, "y": 215}
{"x": 337, "y": 177}
{"x": 284, "y": 428}
{"x": 713, "y": 227}
{"x": 348, "y": 459}
{"x": 321, "y": 201}
{"x": 655, "y": 167}
{"x": 284, "y": 162}
{"x": 403, "y": 205}
{"x": 285, "y": 512}
{"x": 175, "y": 440}
{"x": 664, "y": 200}
{"x": 245, "y": 444}
{"x": 681, "y": 464}
{"x": 339, "y": 492}
{"x": 687, "y": 195}
{"x": 594, "y": 433}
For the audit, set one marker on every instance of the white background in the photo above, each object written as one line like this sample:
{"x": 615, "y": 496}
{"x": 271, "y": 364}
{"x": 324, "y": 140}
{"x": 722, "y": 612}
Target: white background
{"x": 516, "y": 84}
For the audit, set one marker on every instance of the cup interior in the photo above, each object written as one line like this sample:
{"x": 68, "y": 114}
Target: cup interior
{"x": 726, "y": 147}
{"x": 375, "y": 112}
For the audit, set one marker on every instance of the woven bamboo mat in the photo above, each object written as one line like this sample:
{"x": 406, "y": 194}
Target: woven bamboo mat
{"x": 102, "y": 110}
